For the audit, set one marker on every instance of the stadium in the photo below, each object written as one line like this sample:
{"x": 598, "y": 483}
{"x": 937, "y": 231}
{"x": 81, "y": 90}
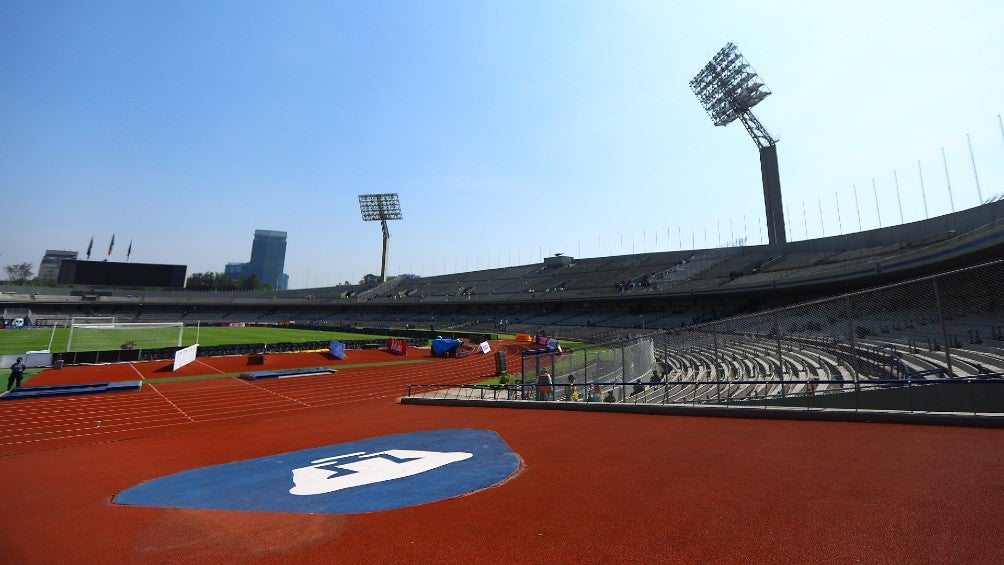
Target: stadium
{"x": 765, "y": 357}
{"x": 834, "y": 399}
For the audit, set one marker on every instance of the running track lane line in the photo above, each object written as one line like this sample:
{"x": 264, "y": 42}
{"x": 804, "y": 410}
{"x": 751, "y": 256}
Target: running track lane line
{"x": 175, "y": 406}
{"x": 271, "y": 392}
{"x": 166, "y": 399}
{"x": 210, "y": 366}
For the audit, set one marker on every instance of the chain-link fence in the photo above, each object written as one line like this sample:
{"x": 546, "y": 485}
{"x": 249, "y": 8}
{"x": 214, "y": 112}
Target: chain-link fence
{"x": 576, "y": 375}
{"x": 927, "y": 331}
{"x": 930, "y": 344}
{"x": 949, "y": 325}
{"x": 600, "y": 372}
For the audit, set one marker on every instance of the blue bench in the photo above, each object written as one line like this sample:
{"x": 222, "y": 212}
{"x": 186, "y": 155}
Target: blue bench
{"x": 70, "y": 390}
{"x": 286, "y": 373}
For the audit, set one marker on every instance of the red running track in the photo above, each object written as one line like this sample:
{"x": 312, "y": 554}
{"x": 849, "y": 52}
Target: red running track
{"x": 594, "y": 487}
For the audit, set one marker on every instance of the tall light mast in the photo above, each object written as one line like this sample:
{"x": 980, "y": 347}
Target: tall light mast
{"x": 728, "y": 88}
{"x": 381, "y": 207}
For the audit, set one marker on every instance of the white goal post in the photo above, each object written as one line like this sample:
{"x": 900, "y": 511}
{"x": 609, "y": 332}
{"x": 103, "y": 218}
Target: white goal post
{"x": 106, "y": 334}
{"x": 81, "y": 320}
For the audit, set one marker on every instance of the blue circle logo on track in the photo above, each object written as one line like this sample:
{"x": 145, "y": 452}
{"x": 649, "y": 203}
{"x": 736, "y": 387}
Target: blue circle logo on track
{"x": 373, "y": 474}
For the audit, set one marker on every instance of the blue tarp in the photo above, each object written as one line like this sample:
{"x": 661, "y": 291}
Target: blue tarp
{"x": 337, "y": 349}
{"x": 442, "y": 346}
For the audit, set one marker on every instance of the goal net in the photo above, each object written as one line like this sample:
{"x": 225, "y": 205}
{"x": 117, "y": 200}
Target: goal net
{"x": 106, "y": 334}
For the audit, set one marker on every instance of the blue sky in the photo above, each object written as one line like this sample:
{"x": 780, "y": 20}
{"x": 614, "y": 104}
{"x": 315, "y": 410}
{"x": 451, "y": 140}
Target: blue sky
{"x": 510, "y": 130}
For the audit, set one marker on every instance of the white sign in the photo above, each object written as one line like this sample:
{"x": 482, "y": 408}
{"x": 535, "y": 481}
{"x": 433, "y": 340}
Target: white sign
{"x": 363, "y": 469}
{"x": 185, "y": 356}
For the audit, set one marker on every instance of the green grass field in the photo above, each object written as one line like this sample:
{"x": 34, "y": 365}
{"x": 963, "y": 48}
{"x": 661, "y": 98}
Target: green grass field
{"x": 19, "y": 341}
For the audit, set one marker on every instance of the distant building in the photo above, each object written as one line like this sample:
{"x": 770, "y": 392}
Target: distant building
{"x": 48, "y": 269}
{"x": 268, "y": 259}
{"x": 236, "y": 271}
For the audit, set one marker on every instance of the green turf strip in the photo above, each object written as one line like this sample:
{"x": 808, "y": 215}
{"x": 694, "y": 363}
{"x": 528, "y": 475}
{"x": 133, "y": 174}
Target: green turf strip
{"x": 20, "y": 341}
{"x": 28, "y": 374}
{"x": 160, "y": 380}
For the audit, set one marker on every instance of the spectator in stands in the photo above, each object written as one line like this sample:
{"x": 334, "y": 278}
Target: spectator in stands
{"x": 609, "y": 397}
{"x": 544, "y": 386}
{"x": 656, "y": 377}
{"x": 16, "y": 374}
{"x": 595, "y": 394}
{"x": 571, "y": 394}
{"x": 638, "y": 387}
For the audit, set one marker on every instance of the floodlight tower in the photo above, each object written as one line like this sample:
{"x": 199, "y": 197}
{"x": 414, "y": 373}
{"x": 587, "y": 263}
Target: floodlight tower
{"x": 381, "y": 207}
{"x": 728, "y": 88}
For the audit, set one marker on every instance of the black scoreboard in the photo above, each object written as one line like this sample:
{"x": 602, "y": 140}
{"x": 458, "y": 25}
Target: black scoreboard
{"x": 108, "y": 273}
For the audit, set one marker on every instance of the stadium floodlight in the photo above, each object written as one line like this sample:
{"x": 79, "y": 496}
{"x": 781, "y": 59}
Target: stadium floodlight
{"x": 381, "y": 207}
{"x": 729, "y": 88}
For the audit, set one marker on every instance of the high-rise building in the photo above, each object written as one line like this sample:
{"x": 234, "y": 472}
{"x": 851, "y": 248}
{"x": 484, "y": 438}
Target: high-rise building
{"x": 236, "y": 271}
{"x": 48, "y": 269}
{"x": 268, "y": 258}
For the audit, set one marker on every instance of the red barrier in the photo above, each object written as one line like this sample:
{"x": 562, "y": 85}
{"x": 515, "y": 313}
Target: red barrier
{"x": 397, "y": 346}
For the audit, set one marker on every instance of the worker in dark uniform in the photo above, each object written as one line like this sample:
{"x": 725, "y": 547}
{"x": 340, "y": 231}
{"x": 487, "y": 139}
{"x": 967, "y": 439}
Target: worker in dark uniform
{"x": 16, "y": 374}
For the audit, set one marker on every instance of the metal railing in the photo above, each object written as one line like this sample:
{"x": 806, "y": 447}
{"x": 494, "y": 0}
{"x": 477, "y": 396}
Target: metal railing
{"x": 970, "y": 395}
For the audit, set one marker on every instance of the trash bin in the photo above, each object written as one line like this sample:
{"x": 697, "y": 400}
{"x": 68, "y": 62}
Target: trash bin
{"x": 57, "y": 364}
{"x": 500, "y": 363}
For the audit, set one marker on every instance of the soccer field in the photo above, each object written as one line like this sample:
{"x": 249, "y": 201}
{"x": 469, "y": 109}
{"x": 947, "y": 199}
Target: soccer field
{"x": 20, "y": 341}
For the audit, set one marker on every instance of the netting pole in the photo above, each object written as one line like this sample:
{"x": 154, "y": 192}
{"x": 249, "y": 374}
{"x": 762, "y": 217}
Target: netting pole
{"x": 623, "y": 372}
{"x": 522, "y": 370}
{"x": 854, "y": 357}
{"x": 780, "y": 363}
{"x": 941, "y": 323}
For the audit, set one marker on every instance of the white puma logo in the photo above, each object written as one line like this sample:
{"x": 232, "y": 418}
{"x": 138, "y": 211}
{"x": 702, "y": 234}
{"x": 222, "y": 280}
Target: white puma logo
{"x": 356, "y": 469}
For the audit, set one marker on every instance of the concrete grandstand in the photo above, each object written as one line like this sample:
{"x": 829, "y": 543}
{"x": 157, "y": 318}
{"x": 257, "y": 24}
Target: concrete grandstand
{"x": 585, "y": 298}
{"x": 852, "y": 321}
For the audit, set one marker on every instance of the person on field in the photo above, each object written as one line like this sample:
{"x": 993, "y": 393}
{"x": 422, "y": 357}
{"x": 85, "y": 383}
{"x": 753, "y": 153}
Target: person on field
{"x": 16, "y": 374}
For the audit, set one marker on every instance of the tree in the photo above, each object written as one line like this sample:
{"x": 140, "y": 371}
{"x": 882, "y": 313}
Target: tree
{"x": 18, "y": 273}
{"x": 370, "y": 280}
{"x": 251, "y": 282}
{"x": 200, "y": 281}
{"x": 220, "y": 281}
